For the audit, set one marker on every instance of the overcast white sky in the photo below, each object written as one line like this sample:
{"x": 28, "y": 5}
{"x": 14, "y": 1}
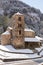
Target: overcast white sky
{"x": 35, "y": 3}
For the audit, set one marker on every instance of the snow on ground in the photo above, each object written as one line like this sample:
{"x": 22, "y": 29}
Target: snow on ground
{"x": 18, "y": 56}
{"x": 41, "y": 53}
{"x": 39, "y": 49}
{"x": 11, "y": 49}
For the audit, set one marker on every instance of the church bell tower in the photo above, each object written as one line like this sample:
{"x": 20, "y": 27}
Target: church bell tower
{"x": 18, "y": 30}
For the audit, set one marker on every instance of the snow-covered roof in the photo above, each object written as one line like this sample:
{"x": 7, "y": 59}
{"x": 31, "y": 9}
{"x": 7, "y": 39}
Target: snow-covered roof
{"x": 31, "y": 40}
{"x": 10, "y": 28}
{"x": 26, "y": 29}
{"x": 18, "y": 13}
{"x": 39, "y": 38}
{"x": 7, "y": 32}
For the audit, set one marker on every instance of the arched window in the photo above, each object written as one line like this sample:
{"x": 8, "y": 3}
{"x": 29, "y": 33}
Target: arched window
{"x": 19, "y": 32}
{"x": 19, "y": 19}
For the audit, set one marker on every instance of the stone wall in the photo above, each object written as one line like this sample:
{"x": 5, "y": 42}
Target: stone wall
{"x": 29, "y": 34}
{"x": 18, "y": 42}
{"x": 5, "y": 38}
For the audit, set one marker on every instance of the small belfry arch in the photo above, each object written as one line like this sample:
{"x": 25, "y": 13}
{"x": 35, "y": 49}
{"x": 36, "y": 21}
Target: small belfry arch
{"x": 19, "y": 32}
{"x": 19, "y": 19}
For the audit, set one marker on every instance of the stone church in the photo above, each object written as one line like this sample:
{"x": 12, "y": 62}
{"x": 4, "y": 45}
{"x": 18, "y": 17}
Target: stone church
{"x": 19, "y": 36}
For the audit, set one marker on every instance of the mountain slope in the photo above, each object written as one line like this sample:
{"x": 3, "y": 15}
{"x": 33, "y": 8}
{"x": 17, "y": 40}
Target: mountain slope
{"x": 33, "y": 17}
